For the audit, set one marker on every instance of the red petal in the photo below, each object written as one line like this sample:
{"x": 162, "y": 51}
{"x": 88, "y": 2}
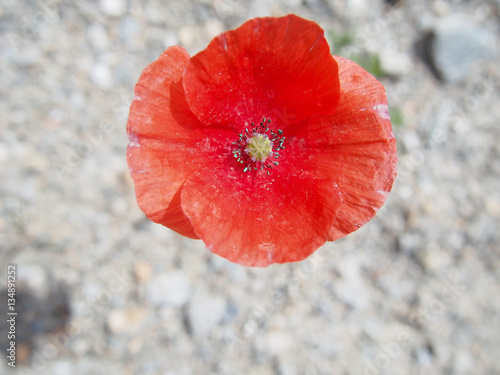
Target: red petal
{"x": 254, "y": 219}
{"x": 167, "y": 142}
{"x": 355, "y": 147}
{"x": 269, "y": 67}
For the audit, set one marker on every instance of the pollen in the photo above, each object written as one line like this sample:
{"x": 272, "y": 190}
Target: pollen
{"x": 259, "y": 147}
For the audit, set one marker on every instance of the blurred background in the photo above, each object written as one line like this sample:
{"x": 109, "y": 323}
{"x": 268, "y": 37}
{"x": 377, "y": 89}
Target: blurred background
{"x": 102, "y": 290}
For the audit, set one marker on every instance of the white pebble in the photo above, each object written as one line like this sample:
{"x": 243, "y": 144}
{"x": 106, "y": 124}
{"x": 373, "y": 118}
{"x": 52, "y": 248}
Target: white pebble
{"x": 129, "y": 321}
{"x": 100, "y": 74}
{"x": 395, "y": 63}
{"x": 98, "y": 36}
{"x": 114, "y": 8}
{"x": 205, "y": 312}
{"x": 169, "y": 289}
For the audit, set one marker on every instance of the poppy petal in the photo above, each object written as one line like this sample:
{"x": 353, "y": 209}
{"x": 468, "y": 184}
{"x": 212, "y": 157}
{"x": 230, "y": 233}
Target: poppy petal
{"x": 165, "y": 140}
{"x": 355, "y": 147}
{"x": 255, "y": 219}
{"x": 267, "y": 67}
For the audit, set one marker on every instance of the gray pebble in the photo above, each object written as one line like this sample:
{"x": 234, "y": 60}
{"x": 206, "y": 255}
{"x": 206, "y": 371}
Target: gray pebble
{"x": 458, "y": 45}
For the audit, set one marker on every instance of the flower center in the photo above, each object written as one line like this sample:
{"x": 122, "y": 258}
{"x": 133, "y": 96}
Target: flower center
{"x": 259, "y": 147}
{"x": 256, "y": 147}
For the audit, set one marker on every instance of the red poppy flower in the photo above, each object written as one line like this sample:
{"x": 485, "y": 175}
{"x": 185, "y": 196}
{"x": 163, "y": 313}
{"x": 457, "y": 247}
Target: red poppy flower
{"x": 263, "y": 145}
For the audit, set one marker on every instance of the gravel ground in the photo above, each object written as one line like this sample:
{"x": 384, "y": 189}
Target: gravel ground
{"x": 102, "y": 290}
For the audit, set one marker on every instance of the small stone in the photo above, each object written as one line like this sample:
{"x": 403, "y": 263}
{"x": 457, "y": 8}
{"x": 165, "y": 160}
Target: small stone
{"x": 353, "y": 292}
{"x": 170, "y": 39}
{"x": 98, "y": 36}
{"x": 34, "y": 277}
{"x": 464, "y": 363}
{"x": 23, "y": 352}
{"x": 424, "y": 356}
{"x": 292, "y": 3}
{"x": 143, "y": 271}
{"x": 100, "y": 74}
{"x": 62, "y": 367}
{"x": 225, "y": 8}
{"x": 435, "y": 259}
{"x": 80, "y": 347}
{"x": 409, "y": 242}
{"x": 351, "y": 289}
{"x": 276, "y": 342}
{"x": 169, "y": 289}
{"x": 34, "y": 160}
{"x": 441, "y": 7}
{"x": 492, "y": 206}
{"x": 27, "y": 55}
{"x": 126, "y": 321}
{"x": 205, "y": 312}
{"x": 129, "y": 28}
{"x": 286, "y": 366}
{"x": 213, "y": 28}
{"x": 359, "y": 6}
{"x": 395, "y": 63}
{"x": 113, "y": 8}
{"x": 135, "y": 345}
{"x": 411, "y": 140}
{"x": 187, "y": 36}
{"x": 458, "y": 45}
{"x": 4, "y": 154}
{"x": 261, "y": 370}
